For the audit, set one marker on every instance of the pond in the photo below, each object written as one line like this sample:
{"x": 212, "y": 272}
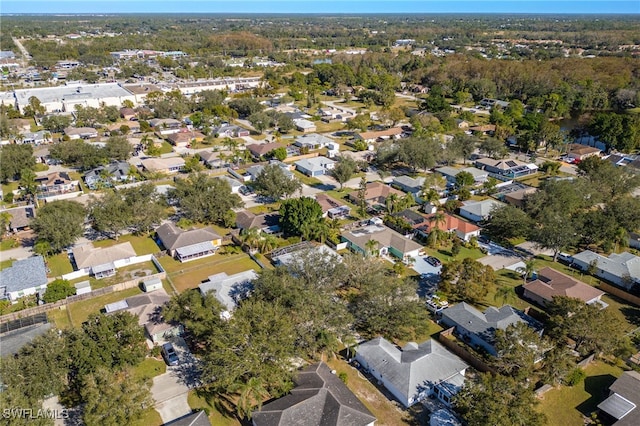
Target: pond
{"x": 581, "y": 122}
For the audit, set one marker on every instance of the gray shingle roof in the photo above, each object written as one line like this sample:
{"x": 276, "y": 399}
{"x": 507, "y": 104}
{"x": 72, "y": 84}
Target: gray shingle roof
{"x": 198, "y": 418}
{"x": 21, "y": 216}
{"x": 24, "y": 274}
{"x": 414, "y": 367}
{"x": 484, "y": 324}
{"x": 481, "y": 208}
{"x": 228, "y": 289}
{"x": 619, "y": 265}
{"x": 626, "y": 410}
{"x": 320, "y": 398}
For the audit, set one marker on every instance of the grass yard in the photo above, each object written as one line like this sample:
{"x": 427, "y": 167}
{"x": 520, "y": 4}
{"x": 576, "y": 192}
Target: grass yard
{"x": 150, "y": 418}
{"x": 60, "y": 318}
{"x": 81, "y": 310}
{"x": 59, "y": 264}
{"x": 444, "y": 253}
{"x": 8, "y": 244}
{"x": 323, "y": 127}
{"x": 141, "y": 244}
{"x": 149, "y": 368}
{"x": 5, "y": 264}
{"x": 215, "y": 417}
{"x": 566, "y": 405}
{"x": 166, "y": 148}
{"x": 307, "y": 180}
{"x": 191, "y": 274}
{"x": 386, "y": 412}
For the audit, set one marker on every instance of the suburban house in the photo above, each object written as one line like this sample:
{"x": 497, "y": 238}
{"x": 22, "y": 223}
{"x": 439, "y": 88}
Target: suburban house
{"x": 190, "y": 244}
{"x": 625, "y": 160}
{"x": 296, "y": 253}
{"x": 622, "y": 407}
{"x": 507, "y": 168}
{"x": 304, "y": 126}
{"x": 133, "y": 126}
{"x": 450, "y": 173}
{"x": 165, "y": 126}
{"x": 211, "y": 159}
{"x": 375, "y": 194}
{"x": 36, "y": 138}
{"x": 196, "y": 418}
{"x": 148, "y": 309}
{"x": 230, "y": 131}
{"x": 485, "y": 129}
{"x": 319, "y": 398}
{"x": 81, "y": 132}
{"x": 477, "y": 211}
{"x": 392, "y": 133}
{"x": 312, "y": 141}
{"x": 234, "y": 184}
{"x": 634, "y": 240}
{"x": 550, "y": 283}
{"x": 332, "y": 208}
{"x": 56, "y": 183}
{"x": 20, "y": 217}
{"x": 254, "y": 171}
{"x": 268, "y": 223}
{"x": 463, "y": 229}
{"x": 316, "y": 166}
{"x": 387, "y": 242}
{"x": 259, "y": 150}
{"x": 128, "y": 113}
{"x": 415, "y": 371}
{"x": 516, "y": 198}
{"x": 107, "y": 176}
{"x": 229, "y": 289}
{"x": 580, "y": 152}
{"x": 408, "y": 184}
{"x": 102, "y": 262}
{"x": 621, "y": 269}
{"x": 478, "y": 329}
{"x": 166, "y": 165}
{"x": 23, "y": 278}
{"x": 183, "y": 139}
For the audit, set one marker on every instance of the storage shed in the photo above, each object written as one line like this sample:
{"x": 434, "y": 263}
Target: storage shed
{"x": 152, "y": 284}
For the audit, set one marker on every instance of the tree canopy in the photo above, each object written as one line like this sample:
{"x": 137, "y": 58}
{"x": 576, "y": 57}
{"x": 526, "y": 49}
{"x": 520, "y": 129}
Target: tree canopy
{"x": 272, "y": 182}
{"x": 59, "y": 223}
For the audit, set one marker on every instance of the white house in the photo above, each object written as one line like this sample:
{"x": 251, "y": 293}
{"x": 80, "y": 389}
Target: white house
{"x": 102, "y": 262}
{"x": 477, "y": 211}
{"x": 23, "y": 278}
{"x": 415, "y": 371}
{"x": 621, "y": 269}
{"x": 316, "y": 166}
{"x": 305, "y": 126}
{"x": 229, "y": 289}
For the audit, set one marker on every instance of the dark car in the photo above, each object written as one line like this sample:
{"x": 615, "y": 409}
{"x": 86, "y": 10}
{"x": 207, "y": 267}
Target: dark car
{"x": 433, "y": 261}
{"x": 169, "y": 354}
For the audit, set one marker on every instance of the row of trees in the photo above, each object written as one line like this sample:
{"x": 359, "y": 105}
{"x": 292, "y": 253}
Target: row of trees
{"x": 90, "y": 365}
{"x": 594, "y": 210}
{"x": 302, "y": 310}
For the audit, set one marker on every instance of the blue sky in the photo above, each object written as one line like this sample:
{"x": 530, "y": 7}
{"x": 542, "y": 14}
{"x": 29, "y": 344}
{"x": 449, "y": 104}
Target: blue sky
{"x": 321, "y": 6}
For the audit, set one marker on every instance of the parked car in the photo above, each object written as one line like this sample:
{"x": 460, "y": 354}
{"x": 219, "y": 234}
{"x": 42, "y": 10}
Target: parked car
{"x": 433, "y": 261}
{"x": 169, "y": 354}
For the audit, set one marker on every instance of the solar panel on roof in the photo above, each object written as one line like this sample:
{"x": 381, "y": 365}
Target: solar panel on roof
{"x": 511, "y": 163}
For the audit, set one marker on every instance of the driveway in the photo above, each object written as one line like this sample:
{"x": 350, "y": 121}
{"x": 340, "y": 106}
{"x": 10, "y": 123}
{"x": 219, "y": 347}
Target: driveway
{"x": 170, "y": 390}
{"x": 429, "y": 276}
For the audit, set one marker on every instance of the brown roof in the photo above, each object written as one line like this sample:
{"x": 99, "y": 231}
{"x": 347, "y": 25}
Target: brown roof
{"x": 173, "y": 237}
{"x": 484, "y": 128}
{"x": 451, "y": 223}
{"x": 519, "y": 194}
{"x": 126, "y": 112}
{"x": 376, "y": 190}
{"x": 578, "y": 149}
{"x": 184, "y": 137}
{"x": 246, "y": 220}
{"x": 327, "y": 203}
{"x": 381, "y": 133}
{"x": 56, "y": 178}
{"x": 21, "y": 216}
{"x": 260, "y": 149}
{"x": 554, "y": 283}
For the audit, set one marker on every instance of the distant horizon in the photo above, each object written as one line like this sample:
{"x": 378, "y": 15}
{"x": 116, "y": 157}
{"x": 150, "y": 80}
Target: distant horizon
{"x": 320, "y": 7}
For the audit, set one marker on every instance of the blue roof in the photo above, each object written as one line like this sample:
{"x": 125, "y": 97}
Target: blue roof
{"x": 24, "y": 274}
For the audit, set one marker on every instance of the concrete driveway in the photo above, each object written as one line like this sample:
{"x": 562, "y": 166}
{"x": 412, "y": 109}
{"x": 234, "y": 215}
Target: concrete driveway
{"x": 170, "y": 390}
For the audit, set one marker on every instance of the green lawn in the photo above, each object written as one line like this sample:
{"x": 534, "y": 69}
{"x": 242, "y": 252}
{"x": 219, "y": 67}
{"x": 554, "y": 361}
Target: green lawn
{"x": 40, "y": 167}
{"x": 142, "y": 244}
{"x": 5, "y": 264}
{"x": 59, "y": 318}
{"x": 566, "y": 405}
{"x": 216, "y": 418}
{"x": 8, "y": 244}
{"x": 444, "y": 253}
{"x": 59, "y": 264}
{"x": 311, "y": 181}
{"x": 149, "y": 368}
{"x": 166, "y": 148}
{"x": 193, "y": 273}
{"x": 150, "y": 418}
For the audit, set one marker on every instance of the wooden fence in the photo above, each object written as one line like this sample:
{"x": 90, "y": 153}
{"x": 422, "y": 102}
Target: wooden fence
{"x": 618, "y": 292}
{"x": 447, "y": 340}
{"x": 95, "y": 293}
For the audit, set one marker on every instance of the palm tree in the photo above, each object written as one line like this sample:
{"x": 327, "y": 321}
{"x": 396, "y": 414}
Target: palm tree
{"x": 267, "y": 243}
{"x": 250, "y": 238}
{"x": 504, "y": 293}
{"x": 527, "y": 270}
{"x": 251, "y": 393}
{"x": 391, "y": 202}
{"x": 371, "y": 247}
{"x": 431, "y": 196}
{"x": 29, "y": 185}
{"x": 5, "y": 221}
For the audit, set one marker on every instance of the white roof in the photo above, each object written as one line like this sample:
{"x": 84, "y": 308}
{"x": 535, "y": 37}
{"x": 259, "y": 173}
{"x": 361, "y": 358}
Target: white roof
{"x": 70, "y": 92}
